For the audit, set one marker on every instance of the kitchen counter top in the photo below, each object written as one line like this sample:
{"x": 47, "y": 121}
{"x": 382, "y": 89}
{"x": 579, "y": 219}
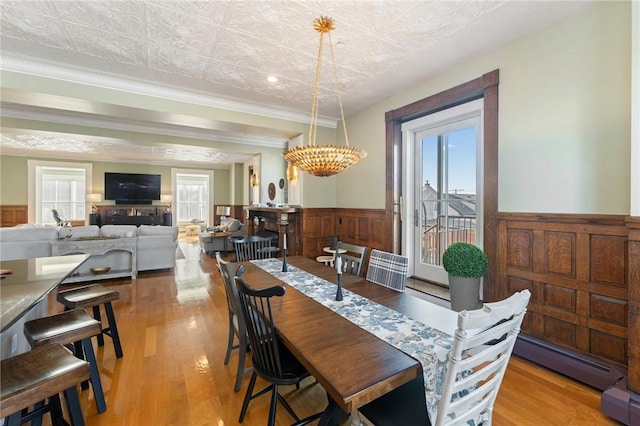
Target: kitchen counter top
{"x": 29, "y": 282}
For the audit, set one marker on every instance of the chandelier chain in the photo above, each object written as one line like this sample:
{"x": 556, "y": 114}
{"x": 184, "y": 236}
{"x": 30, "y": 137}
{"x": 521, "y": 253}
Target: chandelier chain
{"x": 337, "y": 84}
{"x": 313, "y": 125}
{"x": 324, "y": 160}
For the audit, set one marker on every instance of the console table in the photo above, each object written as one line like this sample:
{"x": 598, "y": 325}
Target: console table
{"x": 134, "y": 220}
{"x": 97, "y": 246}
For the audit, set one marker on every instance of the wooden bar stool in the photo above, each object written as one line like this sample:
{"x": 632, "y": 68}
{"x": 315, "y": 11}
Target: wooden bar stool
{"x": 40, "y": 375}
{"x": 75, "y": 327}
{"x": 92, "y": 296}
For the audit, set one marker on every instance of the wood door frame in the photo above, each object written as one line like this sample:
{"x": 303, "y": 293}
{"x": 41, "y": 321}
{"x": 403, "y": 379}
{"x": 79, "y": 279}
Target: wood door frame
{"x": 484, "y": 87}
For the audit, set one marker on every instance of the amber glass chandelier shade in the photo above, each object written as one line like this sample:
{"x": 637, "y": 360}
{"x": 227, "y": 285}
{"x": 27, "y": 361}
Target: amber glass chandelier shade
{"x": 324, "y": 160}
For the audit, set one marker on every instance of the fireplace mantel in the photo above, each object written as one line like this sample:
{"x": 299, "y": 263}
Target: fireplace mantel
{"x": 280, "y": 220}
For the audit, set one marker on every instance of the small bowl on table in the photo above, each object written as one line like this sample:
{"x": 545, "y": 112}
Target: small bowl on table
{"x": 100, "y": 270}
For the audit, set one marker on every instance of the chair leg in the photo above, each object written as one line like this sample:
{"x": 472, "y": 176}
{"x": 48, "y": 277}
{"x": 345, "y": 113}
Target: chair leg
{"x": 286, "y": 405}
{"x": 57, "y": 417}
{"x": 272, "y": 407}
{"x": 98, "y": 317}
{"x": 73, "y": 406}
{"x": 247, "y": 397}
{"x": 96, "y": 383}
{"x": 37, "y": 420}
{"x": 229, "y": 340}
{"x": 78, "y": 351}
{"x": 13, "y": 419}
{"x": 113, "y": 329}
{"x": 242, "y": 354}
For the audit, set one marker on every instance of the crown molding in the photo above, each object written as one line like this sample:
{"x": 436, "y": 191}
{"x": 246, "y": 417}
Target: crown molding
{"x": 25, "y": 65}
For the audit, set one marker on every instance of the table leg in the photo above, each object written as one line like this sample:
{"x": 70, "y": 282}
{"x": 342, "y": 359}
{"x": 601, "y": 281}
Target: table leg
{"x": 405, "y": 405}
{"x": 332, "y": 414}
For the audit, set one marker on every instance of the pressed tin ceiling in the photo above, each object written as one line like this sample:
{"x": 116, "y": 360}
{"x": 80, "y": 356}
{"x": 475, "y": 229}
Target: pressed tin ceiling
{"x": 220, "y": 53}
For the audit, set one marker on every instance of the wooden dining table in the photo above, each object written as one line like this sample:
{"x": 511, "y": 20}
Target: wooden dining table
{"x": 354, "y": 366}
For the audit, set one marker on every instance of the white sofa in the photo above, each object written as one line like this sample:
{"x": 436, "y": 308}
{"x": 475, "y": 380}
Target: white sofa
{"x": 155, "y": 249}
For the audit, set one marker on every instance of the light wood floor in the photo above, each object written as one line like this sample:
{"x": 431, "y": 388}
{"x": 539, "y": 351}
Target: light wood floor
{"x": 173, "y": 327}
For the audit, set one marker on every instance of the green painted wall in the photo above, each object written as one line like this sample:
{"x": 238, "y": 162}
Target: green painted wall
{"x": 13, "y": 178}
{"x": 564, "y": 119}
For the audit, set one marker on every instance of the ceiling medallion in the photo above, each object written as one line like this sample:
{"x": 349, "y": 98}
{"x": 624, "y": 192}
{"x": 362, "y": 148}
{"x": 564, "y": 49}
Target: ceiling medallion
{"x": 324, "y": 160}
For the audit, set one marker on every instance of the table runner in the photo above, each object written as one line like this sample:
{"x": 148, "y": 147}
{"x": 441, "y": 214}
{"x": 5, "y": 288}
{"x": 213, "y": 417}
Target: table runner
{"x": 426, "y": 344}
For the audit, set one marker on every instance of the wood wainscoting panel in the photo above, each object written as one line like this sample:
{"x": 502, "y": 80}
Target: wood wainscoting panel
{"x": 606, "y": 346}
{"x": 609, "y": 309}
{"x": 562, "y": 333}
{"x": 608, "y": 264}
{"x": 560, "y": 253}
{"x": 13, "y": 215}
{"x": 364, "y": 227}
{"x": 633, "y": 274}
{"x": 560, "y": 297}
{"x": 318, "y": 225}
{"x": 520, "y": 248}
{"x": 575, "y": 267}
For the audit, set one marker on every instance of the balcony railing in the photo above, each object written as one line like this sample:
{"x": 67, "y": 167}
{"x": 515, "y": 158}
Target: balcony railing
{"x": 444, "y": 232}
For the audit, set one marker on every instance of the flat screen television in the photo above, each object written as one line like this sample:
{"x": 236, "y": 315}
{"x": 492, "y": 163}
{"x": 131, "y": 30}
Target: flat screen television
{"x": 131, "y": 188}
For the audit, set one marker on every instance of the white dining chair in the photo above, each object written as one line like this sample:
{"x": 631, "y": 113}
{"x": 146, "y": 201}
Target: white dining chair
{"x": 388, "y": 269}
{"x": 482, "y": 347}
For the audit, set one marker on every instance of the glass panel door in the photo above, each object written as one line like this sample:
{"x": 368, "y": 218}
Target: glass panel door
{"x": 446, "y": 186}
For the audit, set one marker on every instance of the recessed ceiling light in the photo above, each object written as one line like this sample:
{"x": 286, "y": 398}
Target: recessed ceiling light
{"x": 272, "y": 79}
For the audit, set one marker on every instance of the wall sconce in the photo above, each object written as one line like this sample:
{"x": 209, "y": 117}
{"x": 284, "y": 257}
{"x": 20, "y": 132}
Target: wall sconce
{"x": 292, "y": 172}
{"x": 93, "y": 199}
{"x": 254, "y": 180}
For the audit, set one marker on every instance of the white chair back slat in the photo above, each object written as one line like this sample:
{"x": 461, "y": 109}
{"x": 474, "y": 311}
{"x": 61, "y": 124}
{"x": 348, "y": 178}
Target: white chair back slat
{"x": 478, "y": 360}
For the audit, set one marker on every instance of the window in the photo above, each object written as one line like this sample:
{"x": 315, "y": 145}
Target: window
{"x": 192, "y": 196}
{"x": 60, "y": 186}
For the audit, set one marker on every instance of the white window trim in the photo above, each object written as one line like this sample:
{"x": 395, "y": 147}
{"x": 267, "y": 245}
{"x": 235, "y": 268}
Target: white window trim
{"x": 33, "y": 194}
{"x": 408, "y": 128}
{"x": 174, "y": 190}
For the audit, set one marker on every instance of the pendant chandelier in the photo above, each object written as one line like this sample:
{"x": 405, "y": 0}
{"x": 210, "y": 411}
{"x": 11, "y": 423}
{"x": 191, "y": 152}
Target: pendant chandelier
{"x": 324, "y": 160}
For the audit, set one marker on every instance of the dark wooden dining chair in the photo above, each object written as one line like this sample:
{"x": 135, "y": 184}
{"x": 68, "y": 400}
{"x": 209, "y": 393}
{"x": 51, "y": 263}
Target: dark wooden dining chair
{"x": 237, "y": 328}
{"x": 253, "y": 248}
{"x": 481, "y": 350}
{"x": 272, "y": 361}
{"x": 353, "y": 259}
{"x": 388, "y": 269}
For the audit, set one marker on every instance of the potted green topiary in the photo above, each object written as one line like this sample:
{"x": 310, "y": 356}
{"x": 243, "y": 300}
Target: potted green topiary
{"x": 466, "y": 264}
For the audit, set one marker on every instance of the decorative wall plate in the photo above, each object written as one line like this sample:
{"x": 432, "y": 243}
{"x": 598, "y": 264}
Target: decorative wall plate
{"x": 272, "y": 191}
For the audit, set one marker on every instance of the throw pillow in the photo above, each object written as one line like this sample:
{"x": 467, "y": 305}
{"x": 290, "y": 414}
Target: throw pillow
{"x": 234, "y": 225}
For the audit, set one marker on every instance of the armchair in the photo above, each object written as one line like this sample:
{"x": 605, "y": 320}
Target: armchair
{"x": 217, "y": 238}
